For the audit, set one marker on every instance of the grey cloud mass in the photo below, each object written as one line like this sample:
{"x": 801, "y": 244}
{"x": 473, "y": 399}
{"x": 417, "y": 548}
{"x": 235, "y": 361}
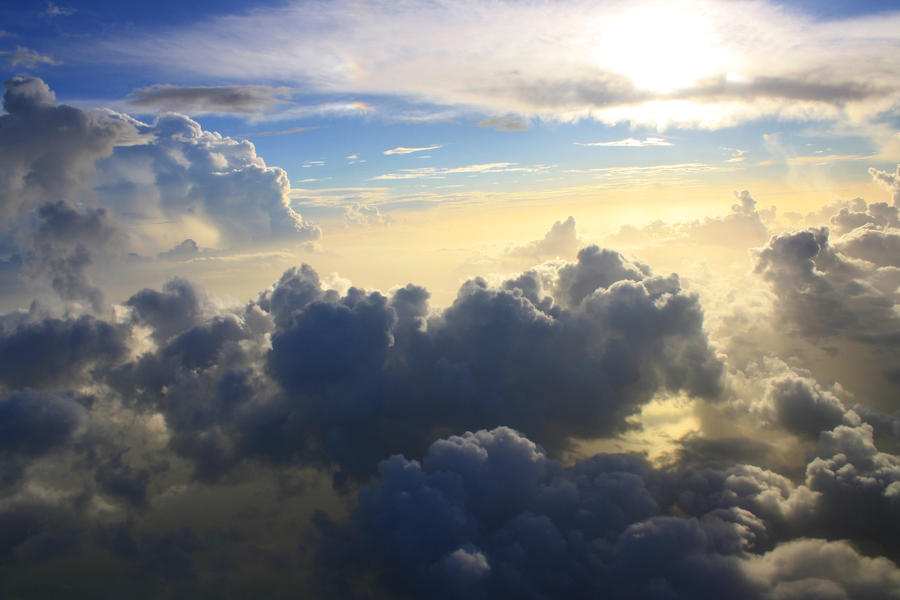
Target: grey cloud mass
{"x": 331, "y": 441}
{"x": 238, "y": 99}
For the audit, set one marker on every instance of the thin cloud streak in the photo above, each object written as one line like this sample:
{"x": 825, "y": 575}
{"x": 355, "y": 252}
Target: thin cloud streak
{"x": 630, "y": 143}
{"x": 405, "y": 150}
{"x": 439, "y": 172}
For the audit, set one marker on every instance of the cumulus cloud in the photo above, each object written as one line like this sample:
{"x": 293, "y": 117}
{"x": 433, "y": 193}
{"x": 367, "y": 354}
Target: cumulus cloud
{"x": 801, "y": 405}
{"x": 743, "y": 227}
{"x": 858, "y": 213}
{"x": 185, "y": 250}
{"x": 810, "y": 568}
{"x": 81, "y": 186}
{"x": 487, "y": 514}
{"x": 456, "y": 433}
{"x": 46, "y": 352}
{"x": 33, "y": 422}
{"x": 183, "y": 170}
{"x": 822, "y": 293}
{"x": 891, "y": 181}
{"x": 576, "y": 366}
{"x": 560, "y": 241}
{"x": 49, "y": 150}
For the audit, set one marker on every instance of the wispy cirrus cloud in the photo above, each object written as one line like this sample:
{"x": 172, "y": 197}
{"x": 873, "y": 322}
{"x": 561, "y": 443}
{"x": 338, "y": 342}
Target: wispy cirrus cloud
{"x": 281, "y": 132}
{"x": 477, "y": 169}
{"x": 630, "y": 143}
{"x": 29, "y": 58}
{"x": 406, "y": 150}
{"x": 57, "y": 10}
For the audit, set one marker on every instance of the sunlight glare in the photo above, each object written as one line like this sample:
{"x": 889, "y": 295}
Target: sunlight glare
{"x": 661, "y": 47}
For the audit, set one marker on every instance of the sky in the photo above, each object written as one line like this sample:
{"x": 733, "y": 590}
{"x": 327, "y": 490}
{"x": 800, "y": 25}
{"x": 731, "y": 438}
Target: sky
{"x": 450, "y": 299}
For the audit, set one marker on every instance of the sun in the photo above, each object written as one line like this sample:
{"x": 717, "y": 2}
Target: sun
{"x": 661, "y": 47}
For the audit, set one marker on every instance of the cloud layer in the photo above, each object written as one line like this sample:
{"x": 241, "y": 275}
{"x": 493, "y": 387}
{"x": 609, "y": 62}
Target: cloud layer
{"x": 647, "y": 62}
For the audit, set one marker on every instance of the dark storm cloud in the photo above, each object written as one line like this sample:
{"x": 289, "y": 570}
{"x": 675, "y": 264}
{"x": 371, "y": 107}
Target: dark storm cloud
{"x": 33, "y": 422}
{"x": 297, "y": 288}
{"x": 366, "y": 375}
{"x": 487, "y": 515}
{"x": 49, "y": 150}
{"x": 239, "y": 99}
{"x": 800, "y": 405}
{"x": 65, "y": 242}
{"x": 822, "y": 294}
{"x": 859, "y": 487}
{"x": 49, "y": 352}
{"x": 176, "y": 308}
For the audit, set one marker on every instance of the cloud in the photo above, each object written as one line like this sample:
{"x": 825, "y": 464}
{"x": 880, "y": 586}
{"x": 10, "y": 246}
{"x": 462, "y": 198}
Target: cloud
{"x": 82, "y": 187}
{"x": 216, "y": 179}
{"x": 497, "y": 354}
{"x": 364, "y": 214}
{"x": 32, "y": 422}
{"x": 50, "y": 149}
{"x": 560, "y": 241}
{"x": 180, "y": 306}
{"x": 234, "y": 99}
{"x": 48, "y": 352}
{"x": 858, "y": 213}
{"x": 186, "y": 250}
{"x": 505, "y": 123}
{"x": 822, "y": 293}
{"x": 890, "y": 181}
{"x": 644, "y": 63}
{"x": 440, "y": 172}
{"x": 800, "y": 404}
{"x": 825, "y": 569}
{"x": 405, "y": 150}
{"x": 290, "y": 131}
{"x": 30, "y": 59}
{"x": 487, "y": 514}
{"x": 460, "y": 440}
{"x": 630, "y": 143}
{"x": 859, "y": 486}
{"x": 56, "y": 10}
